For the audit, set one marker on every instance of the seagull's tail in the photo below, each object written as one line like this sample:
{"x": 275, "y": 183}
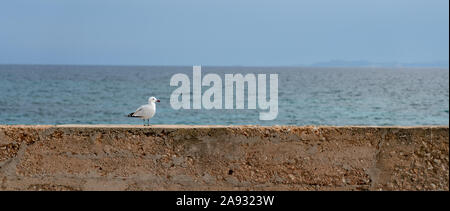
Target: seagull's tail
{"x": 131, "y": 115}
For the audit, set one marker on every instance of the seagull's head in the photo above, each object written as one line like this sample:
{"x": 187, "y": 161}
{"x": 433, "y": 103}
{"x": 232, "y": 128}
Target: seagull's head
{"x": 153, "y": 100}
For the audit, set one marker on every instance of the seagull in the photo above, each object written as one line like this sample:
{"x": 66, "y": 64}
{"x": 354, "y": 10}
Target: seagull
{"x": 146, "y": 112}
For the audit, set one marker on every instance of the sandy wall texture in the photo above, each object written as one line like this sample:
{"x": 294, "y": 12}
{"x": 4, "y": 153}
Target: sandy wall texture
{"x": 164, "y": 157}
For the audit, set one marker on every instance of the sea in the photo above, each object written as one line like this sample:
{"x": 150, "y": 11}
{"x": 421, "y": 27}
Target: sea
{"x": 81, "y": 94}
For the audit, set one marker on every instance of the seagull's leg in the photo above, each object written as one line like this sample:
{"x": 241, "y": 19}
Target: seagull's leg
{"x": 143, "y": 121}
{"x": 148, "y": 122}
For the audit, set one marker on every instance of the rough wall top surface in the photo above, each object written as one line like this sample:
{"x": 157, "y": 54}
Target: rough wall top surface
{"x": 184, "y": 157}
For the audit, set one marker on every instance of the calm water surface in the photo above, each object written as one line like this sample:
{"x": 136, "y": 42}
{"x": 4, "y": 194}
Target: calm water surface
{"x": 51, "y": 94}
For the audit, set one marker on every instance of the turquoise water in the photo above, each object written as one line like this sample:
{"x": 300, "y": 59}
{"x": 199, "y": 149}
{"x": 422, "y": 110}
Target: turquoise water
{"x": 40, "y": 94}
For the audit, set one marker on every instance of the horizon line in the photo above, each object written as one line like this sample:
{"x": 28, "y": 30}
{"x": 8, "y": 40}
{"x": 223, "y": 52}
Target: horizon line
{"x": 316, "y": 65}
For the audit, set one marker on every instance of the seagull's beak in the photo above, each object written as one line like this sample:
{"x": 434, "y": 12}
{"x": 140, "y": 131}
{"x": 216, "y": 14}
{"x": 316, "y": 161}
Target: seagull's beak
{"x": 158, "y": 101}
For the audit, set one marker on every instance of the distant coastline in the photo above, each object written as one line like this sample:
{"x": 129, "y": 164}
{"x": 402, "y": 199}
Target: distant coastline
{"x": 363, "y": 63}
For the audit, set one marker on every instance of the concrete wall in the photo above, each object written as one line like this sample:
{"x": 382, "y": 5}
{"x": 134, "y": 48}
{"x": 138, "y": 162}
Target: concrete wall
{"x": 124, "y": 157}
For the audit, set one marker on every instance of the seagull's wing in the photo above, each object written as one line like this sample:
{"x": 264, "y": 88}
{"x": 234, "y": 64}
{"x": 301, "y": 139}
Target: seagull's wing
{"x": 139, "y": 111}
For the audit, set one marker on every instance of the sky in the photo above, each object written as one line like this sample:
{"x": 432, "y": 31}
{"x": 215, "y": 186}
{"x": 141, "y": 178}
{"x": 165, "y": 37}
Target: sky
{"x": 225, "y": 32}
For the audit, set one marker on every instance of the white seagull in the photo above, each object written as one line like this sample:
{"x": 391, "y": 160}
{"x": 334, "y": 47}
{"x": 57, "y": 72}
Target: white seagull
{"x": 146, "y": 112}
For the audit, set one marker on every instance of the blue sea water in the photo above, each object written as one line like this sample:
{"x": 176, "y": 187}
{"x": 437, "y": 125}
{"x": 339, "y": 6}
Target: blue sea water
{"x": 62, "y": 94}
